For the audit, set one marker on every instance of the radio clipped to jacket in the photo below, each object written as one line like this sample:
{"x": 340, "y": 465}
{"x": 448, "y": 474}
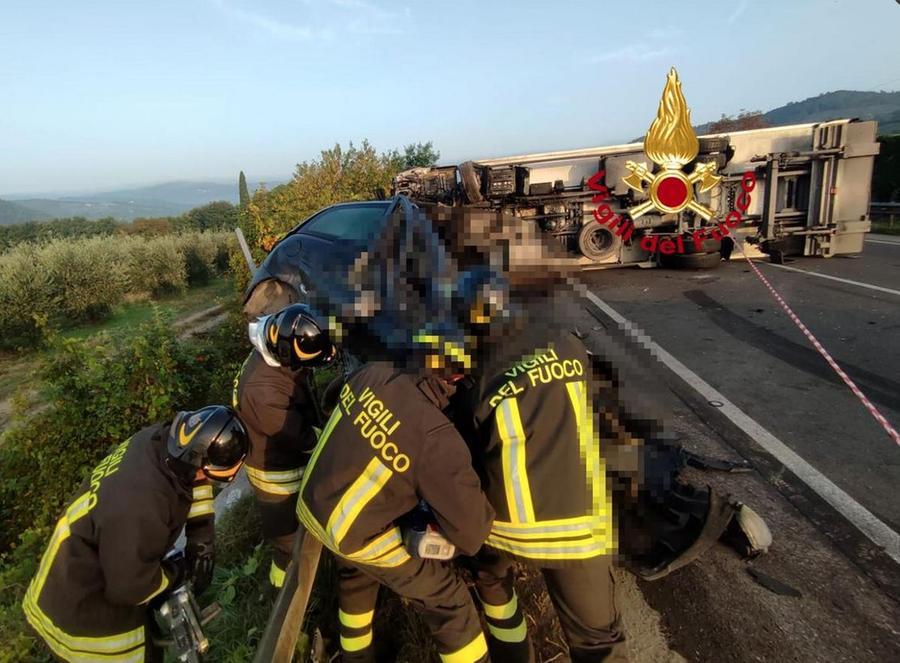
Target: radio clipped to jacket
{"x": 422, "y": 536}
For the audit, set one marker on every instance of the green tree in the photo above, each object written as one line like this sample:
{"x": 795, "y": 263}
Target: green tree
{"x": 416, "y": 154}
{"x": 214, "y": 216}
{"x": 243, "y": 192}
{"x": 339, "y": 174}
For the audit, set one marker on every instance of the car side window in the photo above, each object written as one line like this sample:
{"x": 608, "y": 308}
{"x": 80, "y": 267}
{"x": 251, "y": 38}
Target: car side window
{"x": 357, "y": 223}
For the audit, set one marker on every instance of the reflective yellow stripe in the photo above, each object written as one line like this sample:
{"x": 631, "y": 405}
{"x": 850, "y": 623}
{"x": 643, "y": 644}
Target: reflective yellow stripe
{"x": 515, "y": 634}
{"x": 584, "y": 549}
{"x": 395, "y": 558}
{"x": 163, "y": 583}
{"x": 504, "y": 611}
{"x": 359, "y": 620}
{"x": 80, "y": 648}
{"x": 284, "y": 482}
{"x": 589, "y": 444}
{"x": 355, "y": 644}
{"x": 201, "y": 508}
{"x": 583, "y": 526}
{"x": 355, "y": 498}
{"x": 474, "y": 651}
{"x": 204, "y": 492}
{"x": 276, "y": 575}
{"x": 237, "y": 381}
{"x": 323, "y": 439}
{"x": 515, "y": 473}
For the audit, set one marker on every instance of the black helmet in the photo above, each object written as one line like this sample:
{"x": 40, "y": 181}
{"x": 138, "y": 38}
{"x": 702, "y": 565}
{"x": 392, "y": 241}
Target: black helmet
{"x": 295, "y": 340}
{"x": 212, "y": 439}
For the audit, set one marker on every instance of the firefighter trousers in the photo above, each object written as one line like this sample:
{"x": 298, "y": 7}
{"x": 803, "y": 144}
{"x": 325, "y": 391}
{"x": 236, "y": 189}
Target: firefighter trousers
{"x": 582, "y": 595}
{"x": 278, "y": 514}
{"x": 436, "y": 592}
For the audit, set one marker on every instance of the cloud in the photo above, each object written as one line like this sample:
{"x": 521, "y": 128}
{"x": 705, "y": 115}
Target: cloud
{"x": 631, "y": 53}
{"x": 736, "y": 14}
{"x": 322, "y": 19}
{"x": 655, "y": 44}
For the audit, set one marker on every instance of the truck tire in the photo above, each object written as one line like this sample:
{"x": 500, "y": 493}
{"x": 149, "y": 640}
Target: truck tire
{"x": 471, "y": 182}
{"x": 714, "y": 144}
{"x": 691, "y": 260}
{"x": 598, "y": 243}
{"x": 708, "y": 245}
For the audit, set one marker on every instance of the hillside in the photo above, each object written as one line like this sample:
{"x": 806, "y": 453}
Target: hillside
{"x": 881, "y": 106}
{"x": 167, "y": 199}
{"x": 16, "y": 213}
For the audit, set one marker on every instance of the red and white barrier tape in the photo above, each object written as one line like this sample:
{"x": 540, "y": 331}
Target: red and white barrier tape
{"x": 822, "y": 351}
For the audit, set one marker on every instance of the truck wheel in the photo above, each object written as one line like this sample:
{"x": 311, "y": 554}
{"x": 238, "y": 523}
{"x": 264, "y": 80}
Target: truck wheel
{"x": 598, "y": 243}
{"x": 471, "y": 182}
{"x": 708, "y": 245}
{"x": 691, "y": 260}
{"x": 715, "y": 144}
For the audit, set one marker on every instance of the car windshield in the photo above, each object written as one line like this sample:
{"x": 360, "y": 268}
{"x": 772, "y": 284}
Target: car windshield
{"x": 355, "y": 223}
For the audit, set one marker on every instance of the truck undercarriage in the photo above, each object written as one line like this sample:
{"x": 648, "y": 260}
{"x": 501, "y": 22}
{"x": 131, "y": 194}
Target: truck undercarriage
{"x": 811, "y": 198}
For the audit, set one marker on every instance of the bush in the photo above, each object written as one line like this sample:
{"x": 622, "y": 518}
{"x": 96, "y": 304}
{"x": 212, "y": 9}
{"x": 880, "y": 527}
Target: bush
{"x": 27, "y": 299}
{"x": 85, "y": 278}
{"x": 96, "y": 395}
{"x": 156, "y": 266}
{"x": 205, "y": 255}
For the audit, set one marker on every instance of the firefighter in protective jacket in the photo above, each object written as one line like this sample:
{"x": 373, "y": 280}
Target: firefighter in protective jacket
{"x": 274, "y": 398}
{"x": 90, "y": 599}
{"x": 533, "y": 437}
{"x": 386, "y": 446}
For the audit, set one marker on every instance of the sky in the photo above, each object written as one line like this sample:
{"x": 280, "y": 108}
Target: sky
{"x": 97, "y": 95}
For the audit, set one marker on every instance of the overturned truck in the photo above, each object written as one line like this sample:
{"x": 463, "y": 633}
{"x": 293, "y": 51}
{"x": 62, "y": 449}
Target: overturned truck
{"x": 811, "y": 195}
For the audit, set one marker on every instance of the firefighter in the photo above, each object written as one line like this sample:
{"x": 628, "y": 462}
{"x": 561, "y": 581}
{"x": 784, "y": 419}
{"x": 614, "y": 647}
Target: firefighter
{"x": 529, "y": 421}
{"x": 386, "y": 447}
{"x": 104, "y": 566}
{"x": 273, "y": 395}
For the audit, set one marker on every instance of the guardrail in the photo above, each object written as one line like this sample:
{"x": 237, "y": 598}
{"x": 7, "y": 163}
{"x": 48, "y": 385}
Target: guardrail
{"x": 885, "y": 213}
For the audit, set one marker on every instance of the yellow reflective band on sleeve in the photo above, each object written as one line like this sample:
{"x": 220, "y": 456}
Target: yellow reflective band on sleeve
{"x": 356, "y": 644}
{"x": 515, "y": 634}
{"x": 515, "y": 474}
{"x": 547, "y": 530}
{"x": 163, "y": 583}
{"x": 504, "y": 611}
{"x": 276, "y": 575}
{"x": 589, "y": 444}
{"x": 472, "y": 652}
{"x": 355, "y": 498}
{"x": 360, "y": 620}
{"x": 204, "y": 492}
{"x": 200, "y": 509}
{"x": 283, "y": 482}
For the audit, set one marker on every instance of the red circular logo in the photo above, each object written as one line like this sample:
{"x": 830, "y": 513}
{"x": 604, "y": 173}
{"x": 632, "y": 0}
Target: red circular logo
{"x": 672, "y": 192}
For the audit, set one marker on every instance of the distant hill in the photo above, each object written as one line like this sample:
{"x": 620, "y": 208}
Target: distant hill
{"x": 881, "y": 106}
{"x": 167, "y": 199}
{"x": 16, "y": 213}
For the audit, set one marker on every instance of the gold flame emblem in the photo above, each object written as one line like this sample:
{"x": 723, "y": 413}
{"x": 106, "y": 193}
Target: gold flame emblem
{"x": 671, "y": 144}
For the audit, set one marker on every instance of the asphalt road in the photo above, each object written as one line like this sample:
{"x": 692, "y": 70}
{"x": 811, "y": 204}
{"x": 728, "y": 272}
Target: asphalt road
{"x": 726, "y": 328}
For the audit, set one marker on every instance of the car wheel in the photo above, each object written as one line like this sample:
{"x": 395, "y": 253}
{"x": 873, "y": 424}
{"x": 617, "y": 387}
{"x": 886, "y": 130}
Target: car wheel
{"x": 691, "y": 260}
{"x": 471, "y": 182}
{"x": 598, "y": 242}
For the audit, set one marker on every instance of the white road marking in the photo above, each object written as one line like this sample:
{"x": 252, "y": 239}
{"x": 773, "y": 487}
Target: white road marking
{"x": 863, "y": 519}
{"x": 882, "y": 241}
{"x": 833, "y": 278}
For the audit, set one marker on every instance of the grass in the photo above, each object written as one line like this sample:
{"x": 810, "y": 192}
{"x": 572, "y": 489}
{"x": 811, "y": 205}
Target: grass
{"x": 16, "y": 370}
{"x": 177, "y": 305}
{"x": 886, "y": 227}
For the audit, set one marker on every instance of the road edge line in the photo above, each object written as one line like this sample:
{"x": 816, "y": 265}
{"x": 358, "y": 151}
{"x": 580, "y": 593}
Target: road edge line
{"x": 835, "y": 278}
{"x": 855, "y": 513}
